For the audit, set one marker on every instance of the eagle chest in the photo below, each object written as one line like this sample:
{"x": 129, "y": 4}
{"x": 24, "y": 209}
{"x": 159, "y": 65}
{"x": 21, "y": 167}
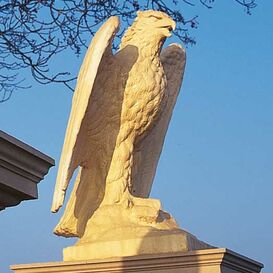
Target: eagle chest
{"x": 143, "y": 94}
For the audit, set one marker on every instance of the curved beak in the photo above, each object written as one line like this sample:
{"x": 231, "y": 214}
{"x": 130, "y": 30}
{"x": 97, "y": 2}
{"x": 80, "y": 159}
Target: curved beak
{"x": 172, "y": 26}
{"x": 169, "y": 25}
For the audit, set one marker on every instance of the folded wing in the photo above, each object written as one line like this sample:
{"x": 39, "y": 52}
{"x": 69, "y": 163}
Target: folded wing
{"x": 73, "y": 154}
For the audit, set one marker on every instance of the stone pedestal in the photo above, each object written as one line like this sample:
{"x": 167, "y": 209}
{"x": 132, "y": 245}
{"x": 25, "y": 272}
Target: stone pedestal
{"x": 138, "y": 242}
{"x": 218, "y": 260}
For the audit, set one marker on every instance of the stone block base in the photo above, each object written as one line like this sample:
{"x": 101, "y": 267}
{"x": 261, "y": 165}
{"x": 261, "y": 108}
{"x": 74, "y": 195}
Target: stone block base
{"x": 156, "y": 242}
{"x": 218, "y": 260}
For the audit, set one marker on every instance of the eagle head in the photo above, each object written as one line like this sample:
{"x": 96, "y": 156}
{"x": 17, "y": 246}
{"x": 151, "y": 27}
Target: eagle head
{"x": 158, "y": 22}
{"x": 149, "y": 29}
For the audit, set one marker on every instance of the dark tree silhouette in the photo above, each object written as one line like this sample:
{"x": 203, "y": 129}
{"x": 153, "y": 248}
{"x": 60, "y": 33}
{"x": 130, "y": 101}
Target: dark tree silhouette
{"x": 33, "y": 31}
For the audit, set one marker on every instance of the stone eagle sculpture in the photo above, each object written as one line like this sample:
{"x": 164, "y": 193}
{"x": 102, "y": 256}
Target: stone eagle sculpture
{"x": 120, "y": 114}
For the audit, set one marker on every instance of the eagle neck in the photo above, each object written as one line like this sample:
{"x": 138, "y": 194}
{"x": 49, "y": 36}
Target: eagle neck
{"x": 147, "y": 47}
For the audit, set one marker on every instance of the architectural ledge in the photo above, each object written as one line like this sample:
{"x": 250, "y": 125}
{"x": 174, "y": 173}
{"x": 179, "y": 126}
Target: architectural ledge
{"x": 21, "y": 168}
{"x": 217, "y": 260}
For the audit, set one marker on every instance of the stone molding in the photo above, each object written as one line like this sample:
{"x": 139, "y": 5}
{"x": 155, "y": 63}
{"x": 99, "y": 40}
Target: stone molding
{"x": 218, "y": 260}
{"x": 21, "y": 168}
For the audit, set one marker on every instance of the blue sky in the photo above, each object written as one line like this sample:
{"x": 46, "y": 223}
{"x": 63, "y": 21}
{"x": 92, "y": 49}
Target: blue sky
{"x": 215, "y": 173}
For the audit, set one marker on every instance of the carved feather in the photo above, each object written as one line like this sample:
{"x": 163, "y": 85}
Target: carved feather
{"x": 118, "y": 100}
{"x": 146, "y": 155}
{"x": 73, "y": 152}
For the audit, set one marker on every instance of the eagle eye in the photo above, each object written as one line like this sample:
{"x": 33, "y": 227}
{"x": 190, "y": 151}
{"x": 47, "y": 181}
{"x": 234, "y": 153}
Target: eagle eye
{"x": 154, "y": 16}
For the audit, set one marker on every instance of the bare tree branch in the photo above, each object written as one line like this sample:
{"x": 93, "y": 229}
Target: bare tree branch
{"x": 32, "y": 32}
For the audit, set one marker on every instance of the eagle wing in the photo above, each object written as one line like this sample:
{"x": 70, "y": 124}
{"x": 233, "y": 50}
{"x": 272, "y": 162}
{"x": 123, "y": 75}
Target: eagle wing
{"x": 73, "y": 154}
{"x": 146, "y": 156}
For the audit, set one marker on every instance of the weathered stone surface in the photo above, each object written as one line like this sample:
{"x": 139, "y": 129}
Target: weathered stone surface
{"x": 120, "y": 114}
{"x": 217, "y": 260}
{"x": 134, "y": 241}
